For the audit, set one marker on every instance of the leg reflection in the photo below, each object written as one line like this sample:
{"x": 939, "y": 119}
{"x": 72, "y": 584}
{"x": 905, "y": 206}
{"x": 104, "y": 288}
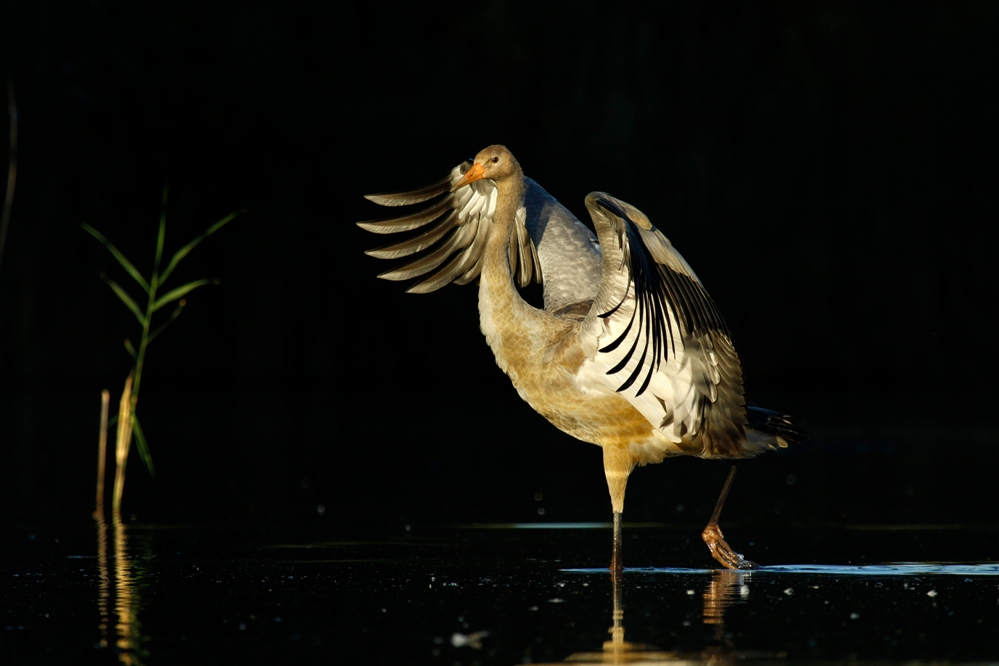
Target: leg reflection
{"x": 617, "y": 645}
{"x": 727, "y": 587}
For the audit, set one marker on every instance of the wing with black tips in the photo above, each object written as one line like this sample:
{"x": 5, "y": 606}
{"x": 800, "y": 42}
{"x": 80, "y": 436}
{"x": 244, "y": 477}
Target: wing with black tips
{"x": 660, "y": 340}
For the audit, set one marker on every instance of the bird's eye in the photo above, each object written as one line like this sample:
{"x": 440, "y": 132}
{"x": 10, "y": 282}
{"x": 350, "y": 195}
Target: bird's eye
{"x": 495, "y": 159}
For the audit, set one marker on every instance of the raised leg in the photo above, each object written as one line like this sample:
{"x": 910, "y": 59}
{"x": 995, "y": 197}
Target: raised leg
{"x": 713, "y": 536}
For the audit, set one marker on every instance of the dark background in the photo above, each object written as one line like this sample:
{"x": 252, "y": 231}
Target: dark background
{"x": 829, "y": 169}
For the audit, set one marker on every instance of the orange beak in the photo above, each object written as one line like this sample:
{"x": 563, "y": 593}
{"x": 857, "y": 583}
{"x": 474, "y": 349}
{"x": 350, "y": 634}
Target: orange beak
{"x": 474, "y": 173}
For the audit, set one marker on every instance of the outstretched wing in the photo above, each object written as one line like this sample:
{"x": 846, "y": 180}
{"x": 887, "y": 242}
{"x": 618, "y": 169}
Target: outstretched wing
{"x": 567, "y": 249}
{"x": 448, "y": 236}
{"x": 660, "y": 341}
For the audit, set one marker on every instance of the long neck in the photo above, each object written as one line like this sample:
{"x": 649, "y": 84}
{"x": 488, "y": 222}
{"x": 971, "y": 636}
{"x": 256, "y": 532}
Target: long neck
{"x": 503, "y": 314}
{"x": 496, "y": 259}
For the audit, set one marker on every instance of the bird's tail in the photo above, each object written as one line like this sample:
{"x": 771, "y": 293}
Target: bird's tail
{"x": 779, "y": 426}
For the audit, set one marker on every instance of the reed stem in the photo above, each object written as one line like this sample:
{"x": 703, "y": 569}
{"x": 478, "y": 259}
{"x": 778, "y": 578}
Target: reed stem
{"x": 102, "y": 453}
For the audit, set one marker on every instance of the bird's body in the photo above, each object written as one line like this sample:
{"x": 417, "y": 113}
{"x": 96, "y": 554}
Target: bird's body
{"x": 629, "y": 352}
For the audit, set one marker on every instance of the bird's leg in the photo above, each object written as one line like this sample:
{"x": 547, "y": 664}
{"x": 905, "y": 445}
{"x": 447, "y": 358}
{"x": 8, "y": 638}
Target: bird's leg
{"x": 617, "y": 467}
{"x": 713, "y": 536}
{"x": 617, "y": 564}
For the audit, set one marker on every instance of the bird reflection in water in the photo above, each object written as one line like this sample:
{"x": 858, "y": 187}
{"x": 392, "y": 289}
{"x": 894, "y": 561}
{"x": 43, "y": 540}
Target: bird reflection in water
{"x": 122, "y": 577}
{"x": 725, "y": 589}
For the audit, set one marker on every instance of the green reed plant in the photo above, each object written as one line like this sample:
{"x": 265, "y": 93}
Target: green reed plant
{"x": 156, "y": 298}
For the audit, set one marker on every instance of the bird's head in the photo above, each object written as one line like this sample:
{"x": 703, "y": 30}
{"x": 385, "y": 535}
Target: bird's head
{"x": 495, "y": 163}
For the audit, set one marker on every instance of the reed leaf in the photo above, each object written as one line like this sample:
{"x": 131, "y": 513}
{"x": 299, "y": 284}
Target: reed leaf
{"x": 180, "y": 292}
{"x": 161, "y": 236}
{"x": 184, "y": 251}
{"x": 161, "y": 327}
{"x": 122, "y": 259}
{"x": 127, "y": 300}
{"x": 142, "y": 445}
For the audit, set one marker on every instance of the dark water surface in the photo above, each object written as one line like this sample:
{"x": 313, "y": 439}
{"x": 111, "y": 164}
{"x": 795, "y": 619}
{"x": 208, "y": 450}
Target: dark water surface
{"x": 502, "y": 594}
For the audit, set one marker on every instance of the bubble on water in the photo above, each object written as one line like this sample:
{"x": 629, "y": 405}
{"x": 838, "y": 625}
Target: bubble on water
{"x": 473, "y": 640}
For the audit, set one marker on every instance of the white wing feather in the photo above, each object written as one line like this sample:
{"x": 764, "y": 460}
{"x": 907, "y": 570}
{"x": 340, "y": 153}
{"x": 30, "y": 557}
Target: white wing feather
{"x": 452, "y": 233}
{"x": 658, "y": 338}
{"x": 549, "y": 244}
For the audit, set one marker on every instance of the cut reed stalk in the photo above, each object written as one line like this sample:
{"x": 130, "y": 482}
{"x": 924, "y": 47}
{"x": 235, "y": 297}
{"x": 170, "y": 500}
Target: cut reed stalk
{"x": 122, "y": 445}
{"x": 102, "y": 453}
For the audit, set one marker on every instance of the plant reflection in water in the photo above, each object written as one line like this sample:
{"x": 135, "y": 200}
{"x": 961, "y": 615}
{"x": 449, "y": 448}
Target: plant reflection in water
{"x": 118, "y": 599}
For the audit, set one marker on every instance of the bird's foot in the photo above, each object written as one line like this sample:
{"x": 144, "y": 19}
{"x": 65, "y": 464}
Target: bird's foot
{"x": 721, "y": 551}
